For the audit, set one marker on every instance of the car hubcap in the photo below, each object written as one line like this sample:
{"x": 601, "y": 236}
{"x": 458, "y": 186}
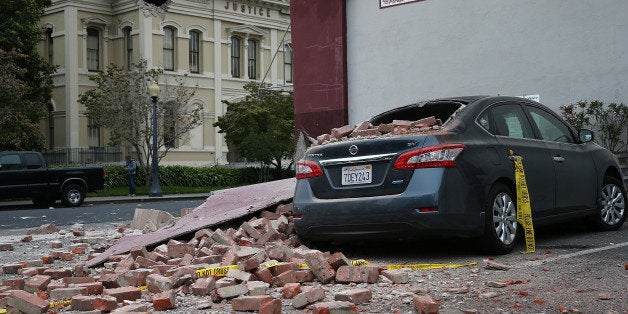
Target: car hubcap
{"x": 74, "y": 196}
{"x": 504, "y": 218}
{"x": 613, "y": 205}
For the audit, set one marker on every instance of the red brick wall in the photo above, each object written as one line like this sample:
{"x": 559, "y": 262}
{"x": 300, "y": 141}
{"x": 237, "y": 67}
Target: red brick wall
{"x": 319, "y": 64}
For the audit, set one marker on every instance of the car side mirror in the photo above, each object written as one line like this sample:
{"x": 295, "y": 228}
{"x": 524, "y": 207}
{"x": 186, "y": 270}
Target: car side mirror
{"x": 585, "y": 135}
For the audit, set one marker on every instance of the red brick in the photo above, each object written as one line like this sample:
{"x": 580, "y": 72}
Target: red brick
{"x": 105, "y": 303}
{"x": 16, "y": 284}
{"x": 178, "y": 249}
{"x": 136, "y": 278}
{"x": 47, "y": 259}
{"x": 158, "y": 283}
{"x": 425, "y": 304}
{"x": 232, "y": 291}
{"x": 6, "y": 247}
{"x": 338, "y": 259}
{"x": 357, "y": 274}
{"x": 356, "y": 296}
{"x": 164, "y": 300}
{"x": 67, "y": 256}
{"x": 272, "y": 306}
{"x": 290, "y": 290}
{"x": 397, "y": 276}
{"x": 11, "y": 268}
{"x": 142, "y": 262}
{"x": 333, "y": 307}
{"x": 27, "y": 302}
{"x": 83, "y": 303}
{"x": 37, "y": 282}
{"x": 342, "y": 131}
{"x": 124, "y": 293}
{"x": 56, "y": 244}
{"x": 319, "y": 266}
{"x": 248, "y": 264}
{"x": 239, "y": 275}
{"x": 249, "y": 303}
{"x": 58, "y": 273}
{"x": 93, "y": 288}
{"x": 109, "y": 280}
{"x": 309, "y": 296}
{"x": 138, "y": 251}
{"x": 304, "y": 275}
{"x": 71, "y": 280}
{"x": 283, "y": 267}
{"x": 67, "y": 293}
{"x": 264, "y": 274}
{"x": 286, "y": 277}
{"x": 203, "y": 286}
{"x": 27, "y": 238}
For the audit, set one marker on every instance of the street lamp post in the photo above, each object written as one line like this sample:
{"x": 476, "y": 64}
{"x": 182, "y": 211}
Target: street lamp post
{"x": 155, "y": 189}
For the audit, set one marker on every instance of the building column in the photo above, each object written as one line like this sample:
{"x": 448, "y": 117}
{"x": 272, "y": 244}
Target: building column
{"x": 146, "y": 39}
{"x": 72, "y": 125}
{"x": 218, "y": 139}
{"x": 245, "y": 56}
{"x": 274, "y": 45}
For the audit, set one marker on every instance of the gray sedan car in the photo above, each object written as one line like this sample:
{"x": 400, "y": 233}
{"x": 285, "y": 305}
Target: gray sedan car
{"x": 454, "y": 177}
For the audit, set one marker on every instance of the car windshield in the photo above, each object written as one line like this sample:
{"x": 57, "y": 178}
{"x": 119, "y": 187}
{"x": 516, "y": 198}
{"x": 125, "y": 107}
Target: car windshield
{"x": 443, "y": 110}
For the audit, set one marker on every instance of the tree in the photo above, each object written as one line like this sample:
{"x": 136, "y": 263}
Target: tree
{"x": 261, "y": 126}
{"x": 24, "y": 74}
{"x": 121, "y": 104}
{"x": 610, "y": 120}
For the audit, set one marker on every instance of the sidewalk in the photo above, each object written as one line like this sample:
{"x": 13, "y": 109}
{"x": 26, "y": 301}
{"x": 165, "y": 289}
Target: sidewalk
{"x": 113, "y": 200}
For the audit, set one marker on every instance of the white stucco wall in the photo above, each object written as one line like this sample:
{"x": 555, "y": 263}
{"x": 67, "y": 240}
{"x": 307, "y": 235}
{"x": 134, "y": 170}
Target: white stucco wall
{"x": 563, "y": 50}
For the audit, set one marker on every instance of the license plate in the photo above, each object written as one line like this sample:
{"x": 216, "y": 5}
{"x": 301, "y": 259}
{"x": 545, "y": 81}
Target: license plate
{"x": 357, "y": 175}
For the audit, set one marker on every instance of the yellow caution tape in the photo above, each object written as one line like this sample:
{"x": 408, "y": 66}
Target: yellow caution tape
{"x": 142, "y": 288}
{"x": 524, "y": 211}
{"x": 428, "y": 266}
{"x": 360, "y": 262}
{"x": 219, "y": 271}
{"x": 57, "y": 303}
{"x": 3, "y": 311}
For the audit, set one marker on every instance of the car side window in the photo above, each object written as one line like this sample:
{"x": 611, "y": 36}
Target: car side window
{"x": 510, "y": 120}
{"x": 10, "y": 162}
{"x": 550, "y": 127}
{"x": 32, "y": 161}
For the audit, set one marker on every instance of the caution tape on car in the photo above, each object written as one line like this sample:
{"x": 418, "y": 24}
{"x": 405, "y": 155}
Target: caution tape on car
{"x": 524, "y": 211}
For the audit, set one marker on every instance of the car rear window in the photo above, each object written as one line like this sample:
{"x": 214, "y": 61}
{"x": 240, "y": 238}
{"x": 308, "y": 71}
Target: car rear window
{"x": 440, "y": 110}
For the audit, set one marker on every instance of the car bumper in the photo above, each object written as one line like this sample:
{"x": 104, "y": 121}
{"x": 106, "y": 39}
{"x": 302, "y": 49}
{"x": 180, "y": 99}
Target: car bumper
{"x": 458, "y": 211}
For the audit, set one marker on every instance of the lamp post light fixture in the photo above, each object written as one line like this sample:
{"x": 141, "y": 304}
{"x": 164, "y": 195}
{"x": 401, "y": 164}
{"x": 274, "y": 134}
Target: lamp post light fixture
{"x": 155, "y": 189}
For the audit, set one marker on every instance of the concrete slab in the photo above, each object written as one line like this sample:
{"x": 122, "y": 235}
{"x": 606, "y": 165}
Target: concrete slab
{"x": 220, "y": 207}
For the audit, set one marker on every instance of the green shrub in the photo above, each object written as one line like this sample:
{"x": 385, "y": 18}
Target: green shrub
{"x": 609, "y": 121}
{"x": 195, "y": 176}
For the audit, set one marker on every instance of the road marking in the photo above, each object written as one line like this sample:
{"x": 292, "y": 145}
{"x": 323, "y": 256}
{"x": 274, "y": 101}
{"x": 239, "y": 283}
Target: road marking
{"x": 570, "y": 255}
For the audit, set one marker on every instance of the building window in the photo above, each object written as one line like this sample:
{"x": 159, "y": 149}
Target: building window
{"x": 194, "y": 52}
{"x": 169, "y": 49}
{"x": 287, "y": 62}
{"x": 252, "y": 62}
{"x": 235, "y": 56}
{"x": 128, "y": 47}
{"x": 93, "y": 49}
{"x": 49, "y": 46}
{"x": 170, "y": 126}
{"x": 93, "y": 134}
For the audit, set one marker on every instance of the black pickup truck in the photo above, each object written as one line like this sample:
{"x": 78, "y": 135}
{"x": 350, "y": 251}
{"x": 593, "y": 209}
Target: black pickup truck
{"x": 25, "y": 175}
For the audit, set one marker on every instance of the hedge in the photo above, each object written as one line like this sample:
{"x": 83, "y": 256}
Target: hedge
{"x": 196, "y": 176}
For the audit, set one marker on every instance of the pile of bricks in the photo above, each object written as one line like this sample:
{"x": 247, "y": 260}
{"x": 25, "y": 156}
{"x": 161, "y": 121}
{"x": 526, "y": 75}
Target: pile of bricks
{"x": 367, "y": 130}
{"x": 259, "y": 267}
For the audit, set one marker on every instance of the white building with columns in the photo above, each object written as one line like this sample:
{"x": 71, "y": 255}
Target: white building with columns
{"x": 220, "y": 45}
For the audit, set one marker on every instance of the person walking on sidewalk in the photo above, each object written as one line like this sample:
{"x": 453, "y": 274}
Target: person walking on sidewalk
{"x": 131, "y": 172}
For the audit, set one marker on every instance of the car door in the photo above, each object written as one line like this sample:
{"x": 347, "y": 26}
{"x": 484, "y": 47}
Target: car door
{"x": 36, "y": 174}
{"x": 576, "y": 180}
{"x": 12, "y": 181}
{"x": 514, "y": 132}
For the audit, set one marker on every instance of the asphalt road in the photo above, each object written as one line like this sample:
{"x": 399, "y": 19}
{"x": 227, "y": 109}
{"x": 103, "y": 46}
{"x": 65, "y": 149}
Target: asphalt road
{"x": 25, "y": 217}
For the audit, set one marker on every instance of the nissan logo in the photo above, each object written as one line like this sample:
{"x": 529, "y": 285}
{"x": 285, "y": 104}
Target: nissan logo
{"x": 353, "y": 149}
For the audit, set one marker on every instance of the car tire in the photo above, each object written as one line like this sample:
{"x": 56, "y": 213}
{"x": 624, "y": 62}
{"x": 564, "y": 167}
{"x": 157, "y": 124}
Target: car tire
{"x": 611, "y": 211}
{"x": 501, "y": 230}
{"x": 73, "y": 195}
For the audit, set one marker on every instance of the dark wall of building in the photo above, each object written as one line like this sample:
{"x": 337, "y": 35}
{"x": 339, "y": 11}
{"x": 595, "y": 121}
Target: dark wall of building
{"x": 319, "y": 64}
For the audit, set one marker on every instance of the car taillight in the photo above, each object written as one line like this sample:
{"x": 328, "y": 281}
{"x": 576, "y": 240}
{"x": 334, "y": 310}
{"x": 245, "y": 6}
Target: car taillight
{"x": 308, "y": 169}
{"x": 429, "y": 157}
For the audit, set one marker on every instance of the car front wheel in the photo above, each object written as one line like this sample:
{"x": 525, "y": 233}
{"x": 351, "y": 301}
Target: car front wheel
{"x": 501, "y": 229}
{"x": 611, "y": 212}
{"x": 73, "y": 195}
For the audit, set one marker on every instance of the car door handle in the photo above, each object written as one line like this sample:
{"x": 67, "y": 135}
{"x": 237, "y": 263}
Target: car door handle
{"x": 558, "y": 159}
